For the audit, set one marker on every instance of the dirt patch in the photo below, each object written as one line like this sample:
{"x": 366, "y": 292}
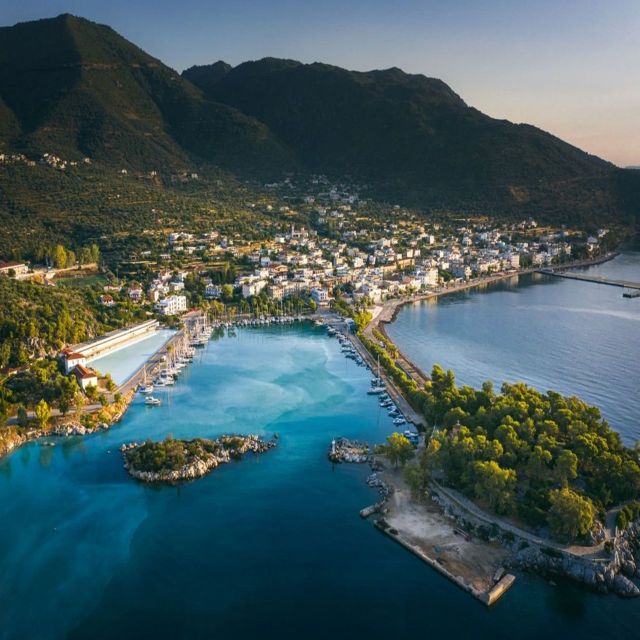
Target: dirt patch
{"x": 423, "y": 525}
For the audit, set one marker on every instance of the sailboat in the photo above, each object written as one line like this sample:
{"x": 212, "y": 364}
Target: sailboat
{"x": 147, "y": 387}
{"x": 377, "y": 386}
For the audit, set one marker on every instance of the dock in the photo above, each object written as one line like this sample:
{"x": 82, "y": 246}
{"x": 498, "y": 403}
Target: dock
{"x": 624, "y": 284}
{"x": 487, "y": 597}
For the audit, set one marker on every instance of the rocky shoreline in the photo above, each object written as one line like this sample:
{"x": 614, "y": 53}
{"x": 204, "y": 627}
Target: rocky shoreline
{"x": 12, "y": 437}
{"x": 611, "y": 570}
{"x": 173, "y": 461}
{"x": 605, "y": 575}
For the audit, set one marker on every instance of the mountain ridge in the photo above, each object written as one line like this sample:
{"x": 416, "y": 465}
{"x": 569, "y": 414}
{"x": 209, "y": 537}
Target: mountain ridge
{"x": 87, "y": 91}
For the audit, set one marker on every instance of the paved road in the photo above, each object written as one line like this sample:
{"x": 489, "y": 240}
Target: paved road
{"x": 462, "y": 501}
{"x": 55, "y": 413}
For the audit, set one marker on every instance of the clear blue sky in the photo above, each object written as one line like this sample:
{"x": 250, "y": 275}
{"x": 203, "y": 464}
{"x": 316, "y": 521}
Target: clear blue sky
{"x": 571, "y": 67}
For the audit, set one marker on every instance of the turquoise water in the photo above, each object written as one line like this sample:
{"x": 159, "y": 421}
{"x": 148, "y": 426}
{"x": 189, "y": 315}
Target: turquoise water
{"x": 271, "y": 547}
{"x": 121, "y": 364}
{"x": 579, "y": 338}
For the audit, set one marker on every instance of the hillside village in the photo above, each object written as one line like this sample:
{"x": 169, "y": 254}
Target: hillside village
{"x": 336, "y": 244}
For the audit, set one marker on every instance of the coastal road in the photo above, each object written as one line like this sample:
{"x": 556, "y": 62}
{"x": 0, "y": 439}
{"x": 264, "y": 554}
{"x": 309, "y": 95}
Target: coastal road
{"x": 470, "y": 507}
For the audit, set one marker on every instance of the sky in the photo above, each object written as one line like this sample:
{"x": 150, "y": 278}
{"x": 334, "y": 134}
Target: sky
{"x": 571, "y": 67}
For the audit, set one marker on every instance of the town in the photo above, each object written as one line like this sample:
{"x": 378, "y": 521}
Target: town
{"x": 336, "y": 246}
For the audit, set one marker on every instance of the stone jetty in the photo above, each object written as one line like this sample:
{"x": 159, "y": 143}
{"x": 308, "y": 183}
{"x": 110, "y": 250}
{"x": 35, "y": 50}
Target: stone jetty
{"x": 345, "y": 450}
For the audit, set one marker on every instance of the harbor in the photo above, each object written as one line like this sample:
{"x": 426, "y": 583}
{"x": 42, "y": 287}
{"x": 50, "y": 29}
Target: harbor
{"x": 297, "y": 382}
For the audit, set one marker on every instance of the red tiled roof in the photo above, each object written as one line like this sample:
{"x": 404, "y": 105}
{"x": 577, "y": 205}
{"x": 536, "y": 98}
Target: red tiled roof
{"x": 82, "y": 372}
{"x": 70, "y": 355}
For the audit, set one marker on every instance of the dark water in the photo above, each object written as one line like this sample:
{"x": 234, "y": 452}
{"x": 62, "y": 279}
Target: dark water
{"x": 270, "y": 547}
{"x": 576, "y": 337}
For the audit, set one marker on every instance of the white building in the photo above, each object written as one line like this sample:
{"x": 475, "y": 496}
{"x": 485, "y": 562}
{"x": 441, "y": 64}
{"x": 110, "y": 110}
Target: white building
{"x": 72, "y": 359}
{"x": 85, "y": 377}
{"x": 321, "y": 296}
{"x": 253, "y": 288}
{"x": 172, "y": 305}
{"x": 212, "y": 292}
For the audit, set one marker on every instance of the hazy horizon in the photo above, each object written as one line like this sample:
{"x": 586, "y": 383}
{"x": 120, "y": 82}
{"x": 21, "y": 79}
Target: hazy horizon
{"x": 560, "y": 68}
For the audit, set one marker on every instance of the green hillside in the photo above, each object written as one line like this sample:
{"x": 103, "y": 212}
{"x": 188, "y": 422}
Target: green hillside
{"x": 86, "y": 91}
{"x": 417, "y": 141}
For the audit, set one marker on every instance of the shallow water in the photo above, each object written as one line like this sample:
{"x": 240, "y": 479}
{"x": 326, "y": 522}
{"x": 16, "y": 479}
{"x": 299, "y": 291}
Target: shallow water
{"x": 124, "y": 362}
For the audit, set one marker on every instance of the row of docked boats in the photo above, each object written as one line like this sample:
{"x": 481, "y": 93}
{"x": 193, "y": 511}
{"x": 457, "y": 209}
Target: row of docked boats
{"x": 349, "y": 352}
{"x": 377, "y": 387}
{"x": 172, "y": 365}
{"x": 260, "y": 321}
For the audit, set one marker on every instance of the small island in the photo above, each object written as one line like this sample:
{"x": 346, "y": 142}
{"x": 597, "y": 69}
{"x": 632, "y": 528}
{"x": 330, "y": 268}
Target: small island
{"x": 174, "y": 460}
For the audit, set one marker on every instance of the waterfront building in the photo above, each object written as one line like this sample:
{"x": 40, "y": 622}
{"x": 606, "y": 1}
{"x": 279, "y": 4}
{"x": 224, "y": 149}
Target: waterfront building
{"x": 85, "y": 377}
{"x": 320, "y": 295}
{"x": 171, "y": 305}
{"x": 71, "y": 359}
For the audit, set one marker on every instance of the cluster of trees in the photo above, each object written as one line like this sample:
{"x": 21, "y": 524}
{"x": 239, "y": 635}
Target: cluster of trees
{"x": 260, "y": 305}
{"x": 549, "y": 459}
{"x": 35, "y": 319}
{"x": 398, "y": 449}
{"x": 170, "y": 454}
{"x": 62, "y": 257}
{"x": 44, "y": 382}
{"x": 627, "y": 514}
{"x": 357, "y": 312}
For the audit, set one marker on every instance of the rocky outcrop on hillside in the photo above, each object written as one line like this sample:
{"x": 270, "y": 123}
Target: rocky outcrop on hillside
{"x": 613, "y": 572}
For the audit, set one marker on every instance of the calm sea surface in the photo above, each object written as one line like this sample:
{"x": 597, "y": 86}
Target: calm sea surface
{"x": 578, "y": 338}
{"x": 270, "y": 547}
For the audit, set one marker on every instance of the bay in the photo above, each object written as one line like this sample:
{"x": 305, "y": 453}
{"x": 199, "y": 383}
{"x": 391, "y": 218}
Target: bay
{"x": 270, "y": 546}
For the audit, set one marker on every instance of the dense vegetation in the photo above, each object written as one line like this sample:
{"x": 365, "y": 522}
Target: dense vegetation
{"x": 44, "y": 380}
{"x": 545, "y": 458}
{"x": 170, "y": 454}
{"x": 86, "y": 91}
{"x": 414, "y": 140}
{"x": 36, "y": 319}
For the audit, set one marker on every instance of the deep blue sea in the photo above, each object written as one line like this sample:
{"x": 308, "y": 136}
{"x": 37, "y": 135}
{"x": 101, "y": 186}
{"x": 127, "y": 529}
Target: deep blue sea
{"x": 270, "y": 547}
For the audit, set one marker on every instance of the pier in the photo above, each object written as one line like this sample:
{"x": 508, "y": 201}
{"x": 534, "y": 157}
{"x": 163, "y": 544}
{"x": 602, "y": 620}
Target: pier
{"x": 624, "y": 284}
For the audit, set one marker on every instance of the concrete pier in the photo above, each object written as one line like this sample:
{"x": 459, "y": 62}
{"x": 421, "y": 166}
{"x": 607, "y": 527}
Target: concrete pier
{"x": 625, "y": 284}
